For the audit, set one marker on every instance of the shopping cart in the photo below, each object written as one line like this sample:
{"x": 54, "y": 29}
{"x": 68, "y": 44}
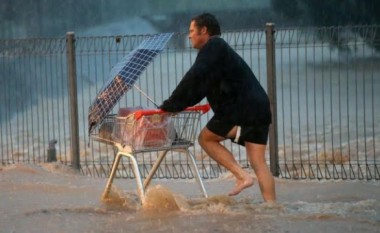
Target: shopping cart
{"x": 148, "y": 131}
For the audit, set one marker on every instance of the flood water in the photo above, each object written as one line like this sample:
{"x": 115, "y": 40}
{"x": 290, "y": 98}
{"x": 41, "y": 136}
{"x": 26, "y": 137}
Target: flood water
{"x": 53, "y": 198}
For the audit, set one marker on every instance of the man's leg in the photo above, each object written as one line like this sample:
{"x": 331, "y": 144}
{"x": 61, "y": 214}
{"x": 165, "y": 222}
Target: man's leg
{"x": 210, "y": 142}
{"x": 256, "y": 156}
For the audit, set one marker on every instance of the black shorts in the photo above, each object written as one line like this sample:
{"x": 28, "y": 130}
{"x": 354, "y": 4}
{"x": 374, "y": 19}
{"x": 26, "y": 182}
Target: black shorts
{"x": 253, "y": 133}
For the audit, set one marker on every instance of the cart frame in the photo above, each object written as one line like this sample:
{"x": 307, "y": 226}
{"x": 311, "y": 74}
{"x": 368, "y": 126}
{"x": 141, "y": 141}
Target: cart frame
{"x": 183, "y": 124}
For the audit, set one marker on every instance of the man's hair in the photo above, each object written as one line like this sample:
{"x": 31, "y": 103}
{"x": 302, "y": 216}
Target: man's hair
{"x": 209, "y": 21}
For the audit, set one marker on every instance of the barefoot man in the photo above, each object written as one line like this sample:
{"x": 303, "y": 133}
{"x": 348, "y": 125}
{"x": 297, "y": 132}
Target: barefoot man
{"x": 240, "y": 104}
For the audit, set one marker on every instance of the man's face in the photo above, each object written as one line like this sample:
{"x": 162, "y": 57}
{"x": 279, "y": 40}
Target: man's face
{"x": 198, "y": 36}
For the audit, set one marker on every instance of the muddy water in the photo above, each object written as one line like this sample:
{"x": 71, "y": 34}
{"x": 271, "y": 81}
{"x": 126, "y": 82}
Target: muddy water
{"x": 52, "y": 198}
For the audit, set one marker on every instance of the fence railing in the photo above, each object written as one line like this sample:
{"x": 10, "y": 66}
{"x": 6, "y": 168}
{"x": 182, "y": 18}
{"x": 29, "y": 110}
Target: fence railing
{"x": 322, "y": 83}
{"x": 328, "y": 106}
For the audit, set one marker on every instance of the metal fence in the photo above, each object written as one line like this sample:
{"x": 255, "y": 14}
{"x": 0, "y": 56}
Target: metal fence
{"x": 328, "y": 103}
{"x": 325, "y": 101}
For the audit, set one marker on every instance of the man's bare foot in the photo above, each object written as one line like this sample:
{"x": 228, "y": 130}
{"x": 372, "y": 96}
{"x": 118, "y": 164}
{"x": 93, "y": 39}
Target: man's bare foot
{"x": 240, "y": 185}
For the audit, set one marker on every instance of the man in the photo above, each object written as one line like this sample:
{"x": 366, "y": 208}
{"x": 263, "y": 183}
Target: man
{"x": 240, "y": 105}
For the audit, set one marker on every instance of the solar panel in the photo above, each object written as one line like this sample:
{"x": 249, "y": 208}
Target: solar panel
{"x": 123, "y": 76}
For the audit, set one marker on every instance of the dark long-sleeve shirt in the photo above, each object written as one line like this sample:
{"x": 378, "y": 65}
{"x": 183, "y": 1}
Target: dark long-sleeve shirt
{"x": 225, "y": 79}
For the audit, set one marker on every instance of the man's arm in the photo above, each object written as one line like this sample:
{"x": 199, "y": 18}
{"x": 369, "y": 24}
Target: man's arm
{"x": 190, "y": 91}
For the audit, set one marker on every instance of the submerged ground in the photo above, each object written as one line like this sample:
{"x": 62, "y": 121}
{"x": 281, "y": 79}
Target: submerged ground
{"x": 53, "y": 198}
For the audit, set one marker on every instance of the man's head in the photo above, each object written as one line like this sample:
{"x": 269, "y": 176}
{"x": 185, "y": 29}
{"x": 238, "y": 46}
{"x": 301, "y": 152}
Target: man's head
{"x": 202, "y": 27}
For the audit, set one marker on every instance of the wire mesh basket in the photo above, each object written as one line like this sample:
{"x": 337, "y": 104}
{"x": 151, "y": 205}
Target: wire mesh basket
{"x": 103, "y": 132}
{"x": 143, "y": 131}
{"x": 149, "y": 129}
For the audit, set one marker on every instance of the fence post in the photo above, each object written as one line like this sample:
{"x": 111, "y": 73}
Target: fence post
{"x": 271, "y": 81}
{"x": 73, "y": 100}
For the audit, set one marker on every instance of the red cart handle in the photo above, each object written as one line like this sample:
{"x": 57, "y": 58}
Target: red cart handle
{"x": 146, "y": 112}
{"x": 203, "y": 108}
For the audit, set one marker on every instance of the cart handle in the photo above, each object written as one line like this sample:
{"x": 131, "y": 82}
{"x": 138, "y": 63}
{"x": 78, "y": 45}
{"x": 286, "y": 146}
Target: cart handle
{"x": 146, "y": 112}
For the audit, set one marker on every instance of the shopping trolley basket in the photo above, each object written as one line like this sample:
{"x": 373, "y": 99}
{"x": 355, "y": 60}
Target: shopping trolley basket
{"x": 147, "y": 131}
